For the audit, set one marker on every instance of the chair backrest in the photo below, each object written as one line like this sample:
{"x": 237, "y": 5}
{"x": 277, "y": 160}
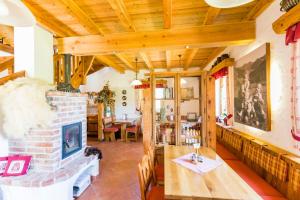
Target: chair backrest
{"x": 151, "y": 153}
{"x": 107, "y": 122}
{"x": 144, "y": 173}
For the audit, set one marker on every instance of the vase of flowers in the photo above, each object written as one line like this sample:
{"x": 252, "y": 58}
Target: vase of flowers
{"x": 107, "y": 97}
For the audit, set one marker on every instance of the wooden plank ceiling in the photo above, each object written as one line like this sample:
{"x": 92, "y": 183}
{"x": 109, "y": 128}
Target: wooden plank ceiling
{"x": 114, "y": 30}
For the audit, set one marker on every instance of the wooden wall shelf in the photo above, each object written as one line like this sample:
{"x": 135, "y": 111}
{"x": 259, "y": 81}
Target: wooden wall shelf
{"x": 225, "y": 63}
{"x": 286, "y": 20}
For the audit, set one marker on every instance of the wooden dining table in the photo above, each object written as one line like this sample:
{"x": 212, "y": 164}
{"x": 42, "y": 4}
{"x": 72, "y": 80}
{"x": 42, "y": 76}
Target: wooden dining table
{"x": 219, "y": 183}
{"x": 124, "y": 123}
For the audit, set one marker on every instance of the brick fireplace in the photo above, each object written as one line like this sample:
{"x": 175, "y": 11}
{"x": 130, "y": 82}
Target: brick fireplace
{"x": 57, "y": 152}
{"x": 46, "y": 145}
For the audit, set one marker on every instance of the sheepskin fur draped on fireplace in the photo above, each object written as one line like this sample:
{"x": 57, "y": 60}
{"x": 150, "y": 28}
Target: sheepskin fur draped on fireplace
{"x": 23, "y": 105}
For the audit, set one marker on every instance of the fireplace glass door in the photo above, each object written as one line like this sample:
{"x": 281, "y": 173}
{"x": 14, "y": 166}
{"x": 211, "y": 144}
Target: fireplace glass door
{"x": 71, "y": 139}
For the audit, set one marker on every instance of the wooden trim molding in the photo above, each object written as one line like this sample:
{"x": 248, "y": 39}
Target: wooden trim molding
{"x": 286, "y": 20}
{"x": 12, "y": 77}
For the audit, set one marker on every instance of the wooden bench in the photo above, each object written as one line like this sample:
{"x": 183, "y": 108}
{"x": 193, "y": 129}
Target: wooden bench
{"x": 270, "y": 171}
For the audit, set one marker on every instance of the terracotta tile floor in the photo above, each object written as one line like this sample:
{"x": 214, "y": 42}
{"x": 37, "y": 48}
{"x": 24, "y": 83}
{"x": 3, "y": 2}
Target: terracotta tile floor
{"x": 118, "y": 178}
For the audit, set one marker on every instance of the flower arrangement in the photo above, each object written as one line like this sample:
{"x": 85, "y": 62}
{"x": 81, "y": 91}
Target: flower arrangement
{"x": 286, "y": 5}
{"x": 106, "y": 96}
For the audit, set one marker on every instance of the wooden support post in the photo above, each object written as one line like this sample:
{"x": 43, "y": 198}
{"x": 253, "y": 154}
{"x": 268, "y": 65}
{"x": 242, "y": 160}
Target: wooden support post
{"x": 100, "y": 123}
{"x": 147, "y": 119}
{"x": 208, "y": 110}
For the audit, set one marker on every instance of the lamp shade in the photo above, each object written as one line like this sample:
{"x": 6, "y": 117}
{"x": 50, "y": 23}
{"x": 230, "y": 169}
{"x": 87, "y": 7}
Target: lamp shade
{"x": 15, "y": 13}
{"x": 136, "y": 82}
{"x": 226, "y": 3}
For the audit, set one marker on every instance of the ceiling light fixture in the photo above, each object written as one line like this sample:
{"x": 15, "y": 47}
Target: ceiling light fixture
{"x": 136, "y": 82}
{"x": 226, "y": 3}
{"x": 15, "y": 13}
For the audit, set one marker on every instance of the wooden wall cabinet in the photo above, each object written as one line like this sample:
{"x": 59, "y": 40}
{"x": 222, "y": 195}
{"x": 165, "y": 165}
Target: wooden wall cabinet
{"x": 169, "y": 111}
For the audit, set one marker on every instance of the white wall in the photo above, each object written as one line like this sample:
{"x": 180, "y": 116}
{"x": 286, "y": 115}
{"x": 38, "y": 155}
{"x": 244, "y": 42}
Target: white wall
{"x": 118, "y": 82}
{"x": 280, "y": 80}
{"x": 34, "y": 52}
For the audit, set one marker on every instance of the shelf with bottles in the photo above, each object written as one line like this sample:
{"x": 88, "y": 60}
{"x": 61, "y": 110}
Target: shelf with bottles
{"x": 190, "y": 136}
{"x": 165, "y": 134}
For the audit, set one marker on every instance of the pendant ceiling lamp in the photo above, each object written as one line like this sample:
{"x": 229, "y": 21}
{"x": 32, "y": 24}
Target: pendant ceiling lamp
{"x": 15, "y": 13}
{"x": 226, "y": 3}
{"x": 136, "y": 82}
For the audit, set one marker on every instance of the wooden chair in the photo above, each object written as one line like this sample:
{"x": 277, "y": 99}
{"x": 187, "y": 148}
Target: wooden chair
{"x": 134, "y": 130}
{"x": 148, "y": 192}
{"x": 158, "y": 170}
{"x": 109, "y": 130}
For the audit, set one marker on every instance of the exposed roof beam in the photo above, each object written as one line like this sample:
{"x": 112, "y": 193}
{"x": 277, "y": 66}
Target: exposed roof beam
{"x": 213, "y": 55}
{"x": 108, "y": 62}
{"x": 168, "y": 59}
{"x": 259, "y": 7}
{"x": 199, "y": 37}
{"x": 7, "y": 48}
{"x": 167, "y": 7}
{"x": 189, "y": 56}
{"x": 147, "y": 60}
{"x": 126, "y": 61}
{"x": 96, "y": 67}
{"x": 211, "y": 15}
{"x": 7, "y": 64}
{"x": 82, "y": 17}
{"x": 88, "y": 63}
{"x": 47, "y": 21}
{"x": 120, "y": 10}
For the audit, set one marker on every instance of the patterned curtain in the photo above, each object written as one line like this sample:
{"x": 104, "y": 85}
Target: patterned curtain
{"x": 295, "y": 70}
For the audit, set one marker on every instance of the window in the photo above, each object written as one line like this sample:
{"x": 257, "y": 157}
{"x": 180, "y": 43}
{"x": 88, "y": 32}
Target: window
{"x": 221, "y": 96}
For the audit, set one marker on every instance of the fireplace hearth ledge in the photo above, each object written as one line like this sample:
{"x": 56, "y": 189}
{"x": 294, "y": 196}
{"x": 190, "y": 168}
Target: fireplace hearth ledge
{"x": 48, "y": 186}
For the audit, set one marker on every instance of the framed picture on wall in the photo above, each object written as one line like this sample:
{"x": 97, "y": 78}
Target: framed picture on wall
{"x": 252, "y": 89}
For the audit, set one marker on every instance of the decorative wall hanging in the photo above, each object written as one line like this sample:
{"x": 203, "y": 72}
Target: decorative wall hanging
{"x": 124, "y": 98}
{"x": 124, "y": 92}
{"x": 252, "y": 89}
{"x": 295, "y": 76}
{"x": 124, "y": 104}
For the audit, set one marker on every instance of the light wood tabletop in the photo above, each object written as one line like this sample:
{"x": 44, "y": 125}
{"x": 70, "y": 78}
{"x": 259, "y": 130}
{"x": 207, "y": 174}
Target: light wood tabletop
{"x": 220, "y": 183}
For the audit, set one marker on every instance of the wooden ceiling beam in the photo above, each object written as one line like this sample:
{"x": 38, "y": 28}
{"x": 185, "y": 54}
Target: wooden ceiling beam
{"x": 168, "y": 60}
{"x": 259, "y": 7}
{"x": 199, "y": 37}
{"x": 82, "y": 17}
{"x": 167, "y": 8}
{"x": 88, "y": 63}
{"x": 7, "y": 48}
{"x": 147, "y": 60}
{"x": 126, "y": 61}
{"x": 120, "y": 10}
{"x": 213, "y": 55}
{"x": 47, "y": 21}
{"x": 211, "y": 15}
{"x": 7, "y": 64}
{"x": 189, "y": 56}
{"x": 110, "y": 63}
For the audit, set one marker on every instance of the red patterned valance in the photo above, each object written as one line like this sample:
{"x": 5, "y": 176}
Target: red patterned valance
{"x": 147, "y": 85}
{"x": 222, "y": 72}
{"x": 292, "y": 34}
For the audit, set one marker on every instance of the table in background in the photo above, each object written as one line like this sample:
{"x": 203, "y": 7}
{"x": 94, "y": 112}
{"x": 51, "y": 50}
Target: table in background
{"x": 220, "y": 183}
{"x": 124, "y": 123}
